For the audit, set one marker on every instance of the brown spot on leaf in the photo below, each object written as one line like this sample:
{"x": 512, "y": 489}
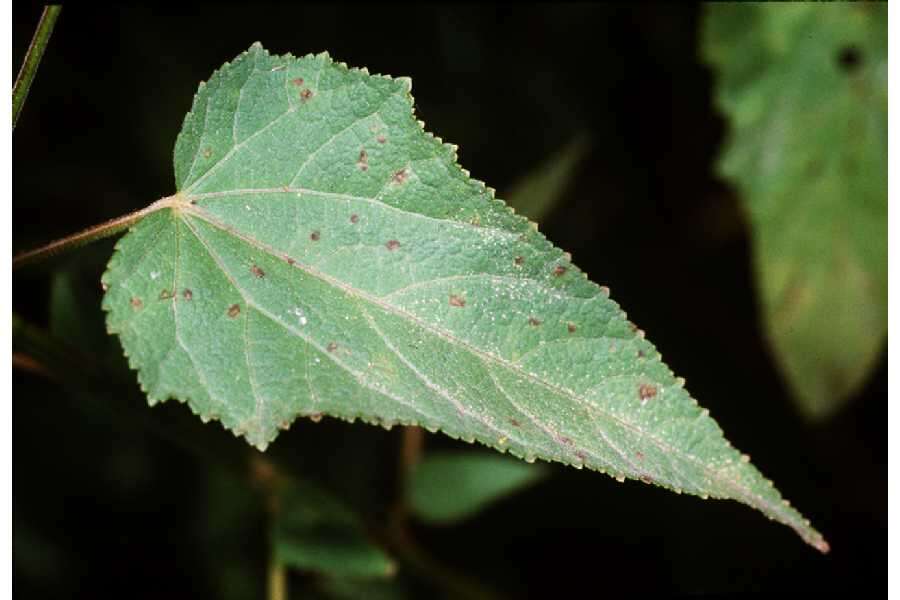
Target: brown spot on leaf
{"x": 581, "y": 455}
{"x": 187, "y": 294}
{"x": 332, "y": 346}
{"x": 291, "y": 261}
{"x": 559, "y": 270}
{"x": 166, "y": 295}
{"x": 457, "y": 301}
{"x": 315, "y": 417}
{"x": 518, "y": 261}
{"x": 234, "y": 310}
{"x": 640, "y": 354}
{"x": 306, "y": 94}
{"x": 257, "y": 272}
{"x": 605, "y": 290}
{"x": 207, "y": 152}
{"x": 515, "y": 423}
{"x": 400, "y": 176}
{"x": 563, "y": 439}
{"x": 298, "y": 81}
{"x": 136, "y": 304}
{"x": 315, "y": 236}
{"x": 646, "y": 479}
{"x": 104, "y": 286}
{"x": 363, "y": 162}
{"x": 354, "y": 219}
{"x": 381, "y": 139}
{"x": 284, "y": 425}
{"x": 571, "y": 327}
{"x": 392, "y": 244}
{"x": 534, "y": 322}
{"x": 646, "y": 391}
{"x": 639, "y": 455}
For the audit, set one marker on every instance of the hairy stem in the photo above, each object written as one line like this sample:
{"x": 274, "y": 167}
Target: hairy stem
{"x": 33, "y": 59}
{"x": 92, "y": 234}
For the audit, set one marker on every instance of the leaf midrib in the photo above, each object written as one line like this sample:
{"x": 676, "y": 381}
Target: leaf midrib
{"x": 484, "y": 356}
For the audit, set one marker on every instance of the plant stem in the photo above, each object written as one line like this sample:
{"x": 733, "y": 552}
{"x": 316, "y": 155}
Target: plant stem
{"x": 411, "y": 451}
{"x": 277, "y": 579}
{"x": 33, "y": 59}
{"x": 91, "y": 234}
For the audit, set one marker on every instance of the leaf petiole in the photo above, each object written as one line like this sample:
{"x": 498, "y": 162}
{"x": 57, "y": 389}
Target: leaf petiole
{"x": 93, "y": 233}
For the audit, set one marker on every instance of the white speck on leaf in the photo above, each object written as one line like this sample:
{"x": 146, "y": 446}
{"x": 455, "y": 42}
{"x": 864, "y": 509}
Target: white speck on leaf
{"x": 298, "y": 312}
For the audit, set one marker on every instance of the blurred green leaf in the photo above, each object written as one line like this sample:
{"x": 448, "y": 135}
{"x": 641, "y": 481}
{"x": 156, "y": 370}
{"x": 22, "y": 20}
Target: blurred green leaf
{"x": 540, "y": 190}
{"x": 314, "y": 531}
{"x": 447, "y": 487}
{"x": 805, "y": 89}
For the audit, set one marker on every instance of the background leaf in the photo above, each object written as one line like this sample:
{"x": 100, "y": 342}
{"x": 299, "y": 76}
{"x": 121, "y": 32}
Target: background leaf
{"x": 324, "y": 255}
{"x": 313, "y": 531}
{"x": 805, "y": 89}
{"x": 446, "y": 487}
{"x": 540, "y": 190}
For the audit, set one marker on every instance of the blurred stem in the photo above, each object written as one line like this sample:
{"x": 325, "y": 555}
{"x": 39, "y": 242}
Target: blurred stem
{"x": 399, "y": 536}
{"x": 411, "y": 450}
{"x": 266, "y": 476}
{"x": 456, "y": 584}
{"x": 25, "y": 362}
{"x": 277, "y": 579}
{"x": 33, "y": 59}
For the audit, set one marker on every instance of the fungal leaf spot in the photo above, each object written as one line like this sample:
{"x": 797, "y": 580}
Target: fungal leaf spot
{"x": 363, "y": 160}
{"x": 646, "y": 391}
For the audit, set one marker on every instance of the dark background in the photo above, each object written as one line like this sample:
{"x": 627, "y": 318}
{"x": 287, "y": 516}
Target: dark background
{"x": 108, "y": 500}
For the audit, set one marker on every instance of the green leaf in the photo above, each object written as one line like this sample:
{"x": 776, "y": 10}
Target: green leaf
{"x": 446, "y": 487}
{"x": 541, "y": 189}
{"x": 326, "y": 256}
{"x": 805, "y": 90}
{"x": 315, "y": 532}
